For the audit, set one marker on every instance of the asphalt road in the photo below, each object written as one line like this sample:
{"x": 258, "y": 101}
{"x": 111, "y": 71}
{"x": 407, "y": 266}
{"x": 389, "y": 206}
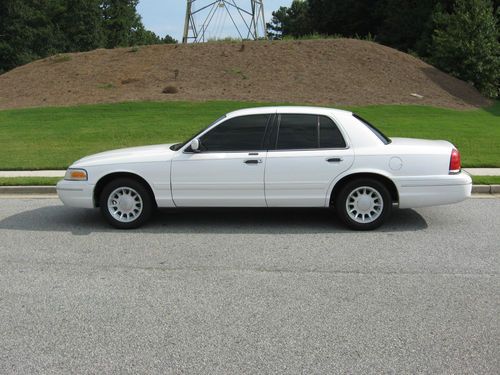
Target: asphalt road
{"x": 249, "y": 291}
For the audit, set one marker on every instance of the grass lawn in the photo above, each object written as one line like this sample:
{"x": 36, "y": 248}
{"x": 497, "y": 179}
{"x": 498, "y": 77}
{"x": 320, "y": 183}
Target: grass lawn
{"x": 49, "y": 181}
{"x": 29, "y": 181}
{"x": 52, "y": 138}
{"x": 486, "y": 180}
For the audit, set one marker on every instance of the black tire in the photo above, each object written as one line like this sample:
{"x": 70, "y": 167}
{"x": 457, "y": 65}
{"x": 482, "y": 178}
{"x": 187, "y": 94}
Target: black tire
{"x": 137, "y": 218}
{"x": 352, "y": 186}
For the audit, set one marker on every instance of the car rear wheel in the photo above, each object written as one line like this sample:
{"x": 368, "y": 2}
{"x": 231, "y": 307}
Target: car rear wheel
{"x": 126, "y": 203}
{"x": 363, "y": 204}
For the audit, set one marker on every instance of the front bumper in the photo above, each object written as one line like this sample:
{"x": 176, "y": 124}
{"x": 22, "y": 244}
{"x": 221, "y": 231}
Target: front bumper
{"x": 434, "y": 190}
{"x": 76, "y": 193}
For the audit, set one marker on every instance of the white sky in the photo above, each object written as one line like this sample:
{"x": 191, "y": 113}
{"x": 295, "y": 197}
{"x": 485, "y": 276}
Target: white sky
{"x": 167, "y": 16}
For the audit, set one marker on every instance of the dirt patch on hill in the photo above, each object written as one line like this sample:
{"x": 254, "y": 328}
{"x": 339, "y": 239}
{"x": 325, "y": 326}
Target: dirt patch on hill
{"x": 333, "y": 72}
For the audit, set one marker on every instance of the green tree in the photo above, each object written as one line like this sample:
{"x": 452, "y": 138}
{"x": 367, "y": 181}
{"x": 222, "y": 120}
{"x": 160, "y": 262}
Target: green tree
{"x": 167, "y": 39}
{"x": 33, "y": 29}
{"x": 120, "y": 19}
{"x": 141, "y": 36}
{"x": 290, "y": 21}
{"x": 26, "y": 32}
{"x": 404, "y": 22}
{"x": 467, "y": 45}
{"x": 82, "y": 24}
{"x": 13, "y": 36}
{"x": 356, "y": 18}
{"x": 123, "y": 26}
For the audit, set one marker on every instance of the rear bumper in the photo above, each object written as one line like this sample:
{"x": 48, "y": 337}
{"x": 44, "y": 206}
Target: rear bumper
{"x": 76, "y": 193}
{"x": 434, "y": 190}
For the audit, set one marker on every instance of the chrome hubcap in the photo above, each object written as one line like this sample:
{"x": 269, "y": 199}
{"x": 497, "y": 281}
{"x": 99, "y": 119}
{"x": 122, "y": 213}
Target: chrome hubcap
{"x": 364, "y": 204}
{"x": 125, "y": 204}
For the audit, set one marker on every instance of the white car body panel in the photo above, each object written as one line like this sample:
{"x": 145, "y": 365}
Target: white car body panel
{"x": 215, "y": 179}
{"x": 143, "y": 154}
{"x": 302, "y": 178}
{"x": 152, "y": 163}
{"x": 284, "y": 178}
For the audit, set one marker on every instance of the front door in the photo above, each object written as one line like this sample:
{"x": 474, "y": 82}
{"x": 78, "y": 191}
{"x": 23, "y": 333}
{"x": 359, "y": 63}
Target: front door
{"x": 229, "y": 169}
{"x": 309, "y": 153}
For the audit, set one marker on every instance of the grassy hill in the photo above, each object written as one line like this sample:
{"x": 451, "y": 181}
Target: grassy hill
{"x": 336, "y": 72}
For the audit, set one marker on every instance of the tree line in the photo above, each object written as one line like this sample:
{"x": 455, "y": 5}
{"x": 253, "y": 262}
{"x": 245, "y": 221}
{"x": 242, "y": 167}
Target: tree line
{"x": 460, "y": 37}
{"x": 33, "y": 29}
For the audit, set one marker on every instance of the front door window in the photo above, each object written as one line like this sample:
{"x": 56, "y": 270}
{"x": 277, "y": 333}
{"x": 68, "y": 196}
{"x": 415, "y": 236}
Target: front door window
{"x": 244, "y": 133}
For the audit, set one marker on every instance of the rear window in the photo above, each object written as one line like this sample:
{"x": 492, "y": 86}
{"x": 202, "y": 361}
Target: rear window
{"x": 375, "y": 131}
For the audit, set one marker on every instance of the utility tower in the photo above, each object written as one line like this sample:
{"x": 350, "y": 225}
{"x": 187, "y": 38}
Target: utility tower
{"x": 207, "y": 19}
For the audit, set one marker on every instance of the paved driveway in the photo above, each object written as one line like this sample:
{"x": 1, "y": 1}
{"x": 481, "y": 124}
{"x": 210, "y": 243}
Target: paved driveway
{"x": 249, "y": 291}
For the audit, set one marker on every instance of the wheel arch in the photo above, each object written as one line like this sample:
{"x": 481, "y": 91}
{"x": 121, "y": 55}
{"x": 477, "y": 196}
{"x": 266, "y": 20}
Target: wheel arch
{"x": 388, "y": 182}
{"x": 104, "y": 180}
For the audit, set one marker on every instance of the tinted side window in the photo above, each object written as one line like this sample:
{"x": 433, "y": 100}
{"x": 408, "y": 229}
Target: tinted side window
{"x": 245, "y": 133}
{"x": 297, "y": 132}
{"x": 329, "y": 134}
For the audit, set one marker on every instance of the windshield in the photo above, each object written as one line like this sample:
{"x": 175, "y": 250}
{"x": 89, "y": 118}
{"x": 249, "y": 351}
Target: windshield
{"x": 178, "y": 146}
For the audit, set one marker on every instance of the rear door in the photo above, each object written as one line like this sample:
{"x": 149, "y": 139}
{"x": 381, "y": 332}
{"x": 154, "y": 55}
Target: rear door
{"x": 308, "y": 152}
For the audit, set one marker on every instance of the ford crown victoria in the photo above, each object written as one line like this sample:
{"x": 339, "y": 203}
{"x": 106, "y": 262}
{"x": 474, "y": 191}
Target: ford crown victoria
{"x": 272, "y": 157}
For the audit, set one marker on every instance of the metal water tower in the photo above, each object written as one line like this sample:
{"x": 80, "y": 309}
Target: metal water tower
{"x": 205, "y": 19}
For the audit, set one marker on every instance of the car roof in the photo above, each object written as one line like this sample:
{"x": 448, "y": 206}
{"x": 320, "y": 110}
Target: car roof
{"x": 288, "y": 109}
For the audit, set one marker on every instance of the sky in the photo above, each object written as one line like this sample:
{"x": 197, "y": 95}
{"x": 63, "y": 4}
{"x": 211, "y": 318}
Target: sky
{"x": 167, "y": 16}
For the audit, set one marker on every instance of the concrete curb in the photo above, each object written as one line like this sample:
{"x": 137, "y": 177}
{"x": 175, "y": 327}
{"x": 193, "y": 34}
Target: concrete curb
{"x": 481, "y": 189}
{"x": 41, "y": 190}
{"x": 486, "y": 189}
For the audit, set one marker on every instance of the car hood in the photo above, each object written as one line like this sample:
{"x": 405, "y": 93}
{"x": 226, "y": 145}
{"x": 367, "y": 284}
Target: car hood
{"x": 128, "y": 155}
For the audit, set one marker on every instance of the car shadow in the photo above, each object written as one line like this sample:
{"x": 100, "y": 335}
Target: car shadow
{"x": 196, "y": 221}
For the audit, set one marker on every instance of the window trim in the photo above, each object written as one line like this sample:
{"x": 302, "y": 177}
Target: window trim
{"x": 278, "y": 123}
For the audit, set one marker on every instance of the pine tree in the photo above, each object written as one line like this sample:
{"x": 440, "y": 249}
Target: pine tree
{"x": 467, "y": 45}
{"x": 290, "y": 21}
{"x": 120, "y": 18}
{"x": 82, "y": 24}
{"x": 24, "y": 32}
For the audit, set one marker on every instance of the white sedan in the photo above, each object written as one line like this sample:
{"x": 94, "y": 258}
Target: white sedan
{"x": 272, "y": 157}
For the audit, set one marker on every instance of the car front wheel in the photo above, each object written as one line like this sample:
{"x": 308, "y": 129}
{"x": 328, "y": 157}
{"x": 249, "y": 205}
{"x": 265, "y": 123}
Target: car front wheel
{"x": 126, "y": 203}
{"x": 363, "y": 204}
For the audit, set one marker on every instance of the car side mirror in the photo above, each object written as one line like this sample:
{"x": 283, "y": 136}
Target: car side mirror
{"x": 195, "y": 145}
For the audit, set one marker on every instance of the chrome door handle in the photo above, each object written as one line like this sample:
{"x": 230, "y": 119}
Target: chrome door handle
{"x": 334, "y": 160}
{"x": 253, "y": 161}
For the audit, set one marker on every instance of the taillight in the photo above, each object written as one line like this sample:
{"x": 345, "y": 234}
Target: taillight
{"x": 455, "y": 164}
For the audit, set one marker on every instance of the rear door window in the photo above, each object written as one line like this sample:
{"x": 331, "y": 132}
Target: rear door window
{"x": 297, "y": 132}
{"x": 304, "y": 132}
{"x": 329, "y": 134}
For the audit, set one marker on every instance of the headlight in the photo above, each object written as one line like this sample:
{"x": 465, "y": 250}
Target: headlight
{"x": 74, "y": 174}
